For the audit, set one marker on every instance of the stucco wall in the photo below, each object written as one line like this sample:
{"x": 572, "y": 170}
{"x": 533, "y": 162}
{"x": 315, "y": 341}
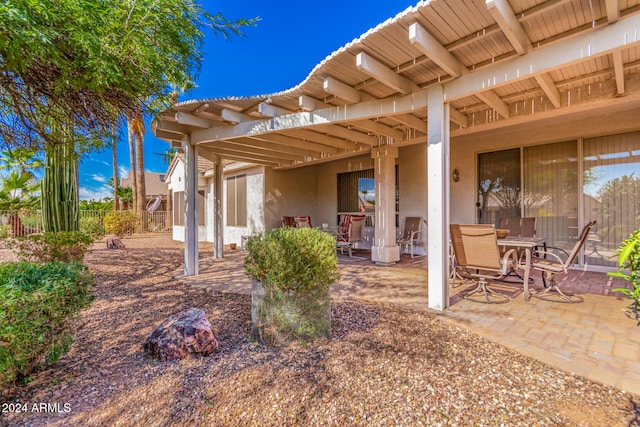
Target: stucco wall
{"x": 175, "y": 181}
{"x": 178, "y": 233}
{"x": 291, "y": 192}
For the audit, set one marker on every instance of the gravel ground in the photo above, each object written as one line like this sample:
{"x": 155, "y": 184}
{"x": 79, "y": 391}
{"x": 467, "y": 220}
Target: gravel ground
{"x": 384, "y": 366}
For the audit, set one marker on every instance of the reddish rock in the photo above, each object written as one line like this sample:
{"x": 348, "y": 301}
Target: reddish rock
{"x": 185, "y": 334}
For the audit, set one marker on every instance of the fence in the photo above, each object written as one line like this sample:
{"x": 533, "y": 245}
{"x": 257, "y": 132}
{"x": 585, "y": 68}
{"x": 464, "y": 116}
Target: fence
{"x": 23, "y": 222}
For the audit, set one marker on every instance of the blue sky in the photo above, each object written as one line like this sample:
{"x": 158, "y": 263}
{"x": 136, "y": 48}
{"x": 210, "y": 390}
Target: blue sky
{"x": 277, "y": 54}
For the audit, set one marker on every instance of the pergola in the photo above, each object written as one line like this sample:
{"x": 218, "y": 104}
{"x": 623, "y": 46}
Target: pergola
{"x": 435, "y": 72}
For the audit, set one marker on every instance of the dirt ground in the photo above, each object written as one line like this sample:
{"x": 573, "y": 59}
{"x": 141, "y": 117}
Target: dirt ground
{"x": 384, "y": 366}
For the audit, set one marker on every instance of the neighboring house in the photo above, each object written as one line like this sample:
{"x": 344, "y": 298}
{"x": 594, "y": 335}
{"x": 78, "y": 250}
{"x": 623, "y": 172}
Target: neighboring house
{"x": 535, "y": 105}
{"x": 155, "y": 186}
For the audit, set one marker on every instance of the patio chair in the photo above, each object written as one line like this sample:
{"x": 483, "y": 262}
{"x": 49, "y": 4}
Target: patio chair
{"x": 519, "y": 227}
{"x": 411, "y": 235}
{"x": 303, "y": 221}
{"x": 477, "y": 257}
{"x": 352, "y": 234}
{"x": 288, "y": 221}
{"x": 551, "y": 264}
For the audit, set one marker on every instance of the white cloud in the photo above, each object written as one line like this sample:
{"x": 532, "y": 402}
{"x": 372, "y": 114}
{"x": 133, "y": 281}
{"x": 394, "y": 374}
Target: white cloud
{"x": 123, "y": 171}
{"x": 98, "y": 177}
{"x": 95, "y": 193}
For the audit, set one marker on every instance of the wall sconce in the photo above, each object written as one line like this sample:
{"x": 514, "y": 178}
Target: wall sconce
{"x": 455, "y": 175}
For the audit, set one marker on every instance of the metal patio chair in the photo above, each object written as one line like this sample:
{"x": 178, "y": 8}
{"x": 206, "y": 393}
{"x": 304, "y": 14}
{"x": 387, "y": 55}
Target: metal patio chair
{"x": 303, "y": 221}
{"x": 519, "y": 227}
{"x": 352, "y": 234}
{"x": 411, "y": 235}
{"x": 551, "y": 264}
{"x": 477, "y": 257}
{"x": 288, "y": 221}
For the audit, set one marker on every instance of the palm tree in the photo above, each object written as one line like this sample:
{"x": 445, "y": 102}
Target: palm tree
{"x": 21, "y": 160}
{"x": 132, "y": 160}
{"x": 18, "y": 191}
{"x": 114, "y": 141}
{"x": 167, "y": 156}
{"x": 141, "y": 193}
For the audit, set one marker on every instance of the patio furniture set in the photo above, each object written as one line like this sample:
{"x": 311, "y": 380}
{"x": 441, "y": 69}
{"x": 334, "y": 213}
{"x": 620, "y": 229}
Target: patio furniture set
{"x": 349, "y": 231}
{"x": 479, "y": 255}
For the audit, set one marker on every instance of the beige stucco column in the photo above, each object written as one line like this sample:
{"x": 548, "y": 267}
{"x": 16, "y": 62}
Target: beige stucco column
{"x": 190, "y": 207}
{"x": 384, "y": 250}
{"x": 218, "y": 237}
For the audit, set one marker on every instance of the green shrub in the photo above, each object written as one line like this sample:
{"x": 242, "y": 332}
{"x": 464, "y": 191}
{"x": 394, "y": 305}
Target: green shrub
{"x": 292, "y": 269}
{"x": 37, "y": 302}
{"x": 62, "y": 246}
{"x": 629, "y": 261}
{"x": 293, "y": 259}
{"x": 120, "y": 223}
{"x": 5, "y": 231}
{"x": 93, "y": 226}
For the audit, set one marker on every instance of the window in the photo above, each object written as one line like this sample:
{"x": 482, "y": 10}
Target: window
{"x": 178, "y": 208}
{"x": 357, "y": 193}
{"x": 237, "y": 201}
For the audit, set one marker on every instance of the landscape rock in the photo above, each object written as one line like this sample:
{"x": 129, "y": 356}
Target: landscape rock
{"x": 184, "y": 334}
{"x": 115, "y": 243}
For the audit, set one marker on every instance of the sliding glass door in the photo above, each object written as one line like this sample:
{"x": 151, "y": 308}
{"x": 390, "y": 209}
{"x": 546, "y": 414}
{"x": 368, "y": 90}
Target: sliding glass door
{"x": 550, "y": 191}
{"x": 564, "y": 189}
{"x": 498, "y": 186}
{"x": 540, "y": 182}
{"x": 611, "y": 193}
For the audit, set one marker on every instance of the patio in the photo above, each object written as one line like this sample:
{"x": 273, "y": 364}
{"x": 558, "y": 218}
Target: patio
{"x": 593, "y": 339}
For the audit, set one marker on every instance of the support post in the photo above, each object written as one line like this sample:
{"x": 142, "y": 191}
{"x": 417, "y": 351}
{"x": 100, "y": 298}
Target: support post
{"x": 190, "y": 207}
{"x": 218, "y": 237}
{"x": 438, "y": 198}
{"x": 384, "y": 250}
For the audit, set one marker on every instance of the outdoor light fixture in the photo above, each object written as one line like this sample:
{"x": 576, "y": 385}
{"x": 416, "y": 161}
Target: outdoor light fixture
{"x": 455, "y": 175}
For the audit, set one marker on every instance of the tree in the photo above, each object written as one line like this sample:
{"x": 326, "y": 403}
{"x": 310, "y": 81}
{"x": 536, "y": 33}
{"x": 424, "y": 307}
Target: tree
{"x": 132, "y": 162}
{"x": 137, "y": 125}
{"x": 167, "y": 156}
{"x": 74, "y": 67}
{"x": 18, "y": 189}
{"x": 21, "y": 160}
{"x": 114, "y": 143}
{"x": 89, "y": 62}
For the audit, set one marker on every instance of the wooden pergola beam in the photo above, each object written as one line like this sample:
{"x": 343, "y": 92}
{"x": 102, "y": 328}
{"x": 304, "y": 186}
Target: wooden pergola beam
{"x": 549, "y": 88}
{"x": 428, "y": 45}
{"x": 501, "y": 11}
{"x": 374, "y": 68}
{"x": 341, "y": 90}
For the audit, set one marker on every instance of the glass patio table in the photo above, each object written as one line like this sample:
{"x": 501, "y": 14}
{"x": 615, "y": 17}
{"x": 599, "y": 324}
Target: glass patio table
{"x": 528, "y": 244}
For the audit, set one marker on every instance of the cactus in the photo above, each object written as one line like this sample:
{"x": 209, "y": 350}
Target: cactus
{"x": 60, "y": 192}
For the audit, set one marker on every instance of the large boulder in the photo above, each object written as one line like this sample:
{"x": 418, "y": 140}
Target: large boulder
{"x": 185, "y": 334}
